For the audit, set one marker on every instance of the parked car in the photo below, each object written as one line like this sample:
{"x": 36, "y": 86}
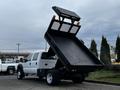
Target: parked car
{"x": 8, "y": 66}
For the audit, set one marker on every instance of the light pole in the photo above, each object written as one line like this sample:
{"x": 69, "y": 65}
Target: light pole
{"x": 18, "y": 44}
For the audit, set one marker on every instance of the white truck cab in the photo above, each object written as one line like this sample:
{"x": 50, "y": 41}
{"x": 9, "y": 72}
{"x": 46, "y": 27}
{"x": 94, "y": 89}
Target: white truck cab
{"x": 37, "y": 63}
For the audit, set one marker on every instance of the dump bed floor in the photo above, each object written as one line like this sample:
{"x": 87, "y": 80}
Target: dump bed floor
{"x": 73, "y": 52}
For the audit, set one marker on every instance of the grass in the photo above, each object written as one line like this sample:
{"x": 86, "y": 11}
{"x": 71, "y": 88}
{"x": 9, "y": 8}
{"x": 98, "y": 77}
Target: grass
{"x": 105, "y": 76}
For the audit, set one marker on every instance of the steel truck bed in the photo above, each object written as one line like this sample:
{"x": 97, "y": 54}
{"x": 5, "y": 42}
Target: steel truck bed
{"x": 62, "y": 39}
{"x": 72, "y": 52}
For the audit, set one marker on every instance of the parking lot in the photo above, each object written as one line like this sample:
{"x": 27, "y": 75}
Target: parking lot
{"x": 9, "y": 82}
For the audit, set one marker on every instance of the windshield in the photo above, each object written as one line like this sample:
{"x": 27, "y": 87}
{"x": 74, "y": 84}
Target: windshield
{"x": 29, "y": 57}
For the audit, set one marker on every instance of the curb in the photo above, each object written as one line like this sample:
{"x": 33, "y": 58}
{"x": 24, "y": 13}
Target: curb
{"x": 101, "y": 82}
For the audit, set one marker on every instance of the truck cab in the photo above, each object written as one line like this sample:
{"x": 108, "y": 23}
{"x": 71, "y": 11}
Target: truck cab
{"x": 36, "y": 63}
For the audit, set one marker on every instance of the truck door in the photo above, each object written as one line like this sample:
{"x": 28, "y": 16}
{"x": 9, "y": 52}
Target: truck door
{"x": 27, "y": 64}
{"x": 34, "y": 63}
{"x": 47, "y": 62}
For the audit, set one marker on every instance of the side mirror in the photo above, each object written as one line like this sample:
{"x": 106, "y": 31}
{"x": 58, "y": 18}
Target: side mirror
{"x": 26, "y": 60}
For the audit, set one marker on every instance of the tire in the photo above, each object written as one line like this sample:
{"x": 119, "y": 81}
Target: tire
{"x": 52, "y": 77}
{"x": 20, "y": 74}
{"x": 10, "y": 71}
{"x": 78, "y": 79}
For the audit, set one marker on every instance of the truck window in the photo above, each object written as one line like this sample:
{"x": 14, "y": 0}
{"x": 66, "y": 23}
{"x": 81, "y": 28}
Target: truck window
{"x": 35, "y": 56}
{"x": 46, "y": 56}
{"x": 3, "y": 61}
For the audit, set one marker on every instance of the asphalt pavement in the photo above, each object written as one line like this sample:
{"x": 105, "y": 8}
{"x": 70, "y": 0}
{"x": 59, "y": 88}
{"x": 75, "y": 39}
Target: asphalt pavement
{"x": 9, "y": 82}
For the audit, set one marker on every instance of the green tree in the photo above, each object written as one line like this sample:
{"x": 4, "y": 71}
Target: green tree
{"x": 117, "y": 49}
{"x": 93, "y": 48}
{"x": 105, "y": 52}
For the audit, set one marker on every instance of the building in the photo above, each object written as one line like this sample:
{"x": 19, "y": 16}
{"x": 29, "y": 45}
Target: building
{"x": 13, "y": 55}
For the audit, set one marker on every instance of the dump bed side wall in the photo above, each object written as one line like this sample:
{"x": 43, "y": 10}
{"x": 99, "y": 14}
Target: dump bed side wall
{"x": 87, "y": 51}
{"x": 52, "y": 44}
{"x": 73, "y": 52}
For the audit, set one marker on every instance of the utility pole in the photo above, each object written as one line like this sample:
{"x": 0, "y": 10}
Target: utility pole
{"x": 45, "y": 46}
{"x": 18, "y": 44}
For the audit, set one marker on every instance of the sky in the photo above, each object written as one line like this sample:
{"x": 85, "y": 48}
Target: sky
{"x": 26, "y": 21}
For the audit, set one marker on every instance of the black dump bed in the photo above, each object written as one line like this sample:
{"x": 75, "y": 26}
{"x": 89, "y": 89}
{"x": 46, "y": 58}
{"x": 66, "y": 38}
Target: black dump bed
{"x": 62, "y": 39}
{"x": 73, "y": 51}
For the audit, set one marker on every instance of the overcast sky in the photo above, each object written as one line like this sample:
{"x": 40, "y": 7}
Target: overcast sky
{"x": 26, "y": 21}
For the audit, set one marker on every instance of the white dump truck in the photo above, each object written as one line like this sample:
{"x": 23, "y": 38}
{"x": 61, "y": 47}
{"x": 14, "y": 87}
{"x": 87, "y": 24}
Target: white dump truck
{"x": 9, "y": 67}
{"x": 67, "y": 57}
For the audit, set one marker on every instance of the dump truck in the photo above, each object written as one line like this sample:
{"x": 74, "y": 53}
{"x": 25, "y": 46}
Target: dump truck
{"x": 67, "y": 57}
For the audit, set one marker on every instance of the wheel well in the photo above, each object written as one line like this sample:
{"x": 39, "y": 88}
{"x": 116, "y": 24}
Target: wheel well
{"x": 19, "y": 67}
{"x": 59, "y": 64}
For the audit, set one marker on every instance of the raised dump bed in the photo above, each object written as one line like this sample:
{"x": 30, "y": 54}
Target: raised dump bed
{"x": 61, "y": 36}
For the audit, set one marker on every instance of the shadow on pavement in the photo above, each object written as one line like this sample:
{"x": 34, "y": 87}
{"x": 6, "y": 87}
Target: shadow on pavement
{"x": 63, "y": 83}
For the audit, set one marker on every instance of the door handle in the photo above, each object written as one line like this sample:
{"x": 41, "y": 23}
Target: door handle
{"x": 36, "y": 63}
{"x": 29, "y": 63}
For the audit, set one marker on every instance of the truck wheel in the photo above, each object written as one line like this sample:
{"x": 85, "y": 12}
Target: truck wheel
{"x": 20, "y": 74}
{"x": 52, "y": 77}
{"x": 79, "y": 79}
{"x": 10, "y": 71}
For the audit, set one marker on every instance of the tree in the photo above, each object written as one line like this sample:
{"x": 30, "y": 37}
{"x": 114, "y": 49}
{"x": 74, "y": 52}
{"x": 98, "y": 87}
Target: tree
{"x": 105, "y": 52}
{"x": 117, "y": 49}
{"x": 93, "y": 48}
